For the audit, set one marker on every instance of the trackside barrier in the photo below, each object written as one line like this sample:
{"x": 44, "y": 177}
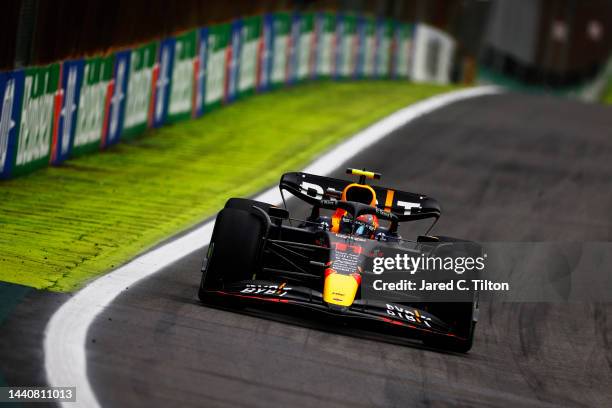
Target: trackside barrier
{"x": 51, "y": 113}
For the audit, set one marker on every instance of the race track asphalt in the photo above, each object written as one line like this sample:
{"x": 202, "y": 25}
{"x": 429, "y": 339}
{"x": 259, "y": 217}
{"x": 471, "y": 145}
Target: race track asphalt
{"x": 505, "y": 168}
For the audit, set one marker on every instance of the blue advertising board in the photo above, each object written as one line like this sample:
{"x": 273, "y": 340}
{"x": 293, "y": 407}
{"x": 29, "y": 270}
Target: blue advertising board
{"x": 294, "y": 48}
{"x": 200, "y": 84}
{"x": 117, "y": 102}
{"x": 11, "y": 91}
{"x": 233, "y": 68}
{"x": 264, "y": 72}
{"x": 339, "y": 50}
{"x": 362, "y": 37}
{"x": 161, "y": 92}
{"x": 71, "y": 82}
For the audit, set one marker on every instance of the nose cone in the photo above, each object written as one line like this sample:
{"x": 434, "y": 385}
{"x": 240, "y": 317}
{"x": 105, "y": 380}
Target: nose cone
{"x": 340, "y": 289}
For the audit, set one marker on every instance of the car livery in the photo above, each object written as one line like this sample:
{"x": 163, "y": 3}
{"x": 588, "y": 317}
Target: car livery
{"x": 258, "y": 254}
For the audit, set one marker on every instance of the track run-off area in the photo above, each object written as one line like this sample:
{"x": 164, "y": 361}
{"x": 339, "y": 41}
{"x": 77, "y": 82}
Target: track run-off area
{"x": 505, "y": 167}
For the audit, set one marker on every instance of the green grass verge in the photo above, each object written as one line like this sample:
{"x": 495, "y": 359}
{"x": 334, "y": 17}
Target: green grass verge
{"x": 63, "y": 226}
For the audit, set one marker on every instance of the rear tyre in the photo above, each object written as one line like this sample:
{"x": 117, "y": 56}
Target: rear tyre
{"x": 234, "y": 250}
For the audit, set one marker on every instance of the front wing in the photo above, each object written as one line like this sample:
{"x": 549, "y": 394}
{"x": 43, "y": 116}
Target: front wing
{"x": 400, "y": 319}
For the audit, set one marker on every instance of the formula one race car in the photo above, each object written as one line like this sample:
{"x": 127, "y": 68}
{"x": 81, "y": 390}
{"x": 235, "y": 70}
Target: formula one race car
{"x": 259, "y": 254}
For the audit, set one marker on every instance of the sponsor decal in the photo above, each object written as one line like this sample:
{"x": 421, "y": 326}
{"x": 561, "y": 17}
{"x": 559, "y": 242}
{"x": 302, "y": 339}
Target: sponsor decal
{"x": 264, "y": 67}
{"x": 306, "y": 46}
{"x": 383, "y": 47}
{"x": 408, "y": 206}
{"x": 407, "y": 314}
{"x": 367, "y": 47}
{"x": 326, "y": 36}
{"x": 360, "y": 47}
{"x": 233, "y": 67}
{"x": 92, "y": 105}
{"x": 293, "y": 49}
{"x": 282, "y": 28}
{"x": 11, "y": 89}
{"x": 347, "y": 258}
{"x": 182, "y": 83}
{"x": 338, "y": 50}
{"x": 266, "y": 290}
{"x": 402, "y": 50}
{"x": 312, "y": 189}
{"x": 347, "y": 46}
{"x": 200, "y": 72}
{"x": 218, "y": 40}
{"x": 353, "y": 238}
{"x": 71, "y": 81}
{"x": 37, "y": 118}
{"x": 140, "y": 79}
{"x": 249, "y": 50}
{"x": 116, "y": 107}
{"x": 316, "y": 191}
{"x": 163, "y": 80}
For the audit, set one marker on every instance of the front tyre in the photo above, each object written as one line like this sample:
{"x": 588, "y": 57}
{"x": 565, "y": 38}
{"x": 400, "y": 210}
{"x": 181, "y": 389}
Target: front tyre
{"x": 234, "y": 250}
{"x": 462, "y": 316}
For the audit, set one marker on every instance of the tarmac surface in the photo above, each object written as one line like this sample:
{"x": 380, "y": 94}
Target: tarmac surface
{"x": 508, "y": 167}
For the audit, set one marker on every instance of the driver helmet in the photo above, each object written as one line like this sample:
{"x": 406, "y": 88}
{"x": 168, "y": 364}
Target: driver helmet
{"x": 365, "y": 226}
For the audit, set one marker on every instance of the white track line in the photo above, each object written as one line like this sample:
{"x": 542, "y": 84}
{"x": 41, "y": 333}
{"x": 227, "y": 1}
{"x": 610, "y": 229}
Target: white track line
{"x": 66, "y": 333}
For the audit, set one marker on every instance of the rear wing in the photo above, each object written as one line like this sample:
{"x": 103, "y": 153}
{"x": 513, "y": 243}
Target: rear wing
{"x": 406, "y": 206}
